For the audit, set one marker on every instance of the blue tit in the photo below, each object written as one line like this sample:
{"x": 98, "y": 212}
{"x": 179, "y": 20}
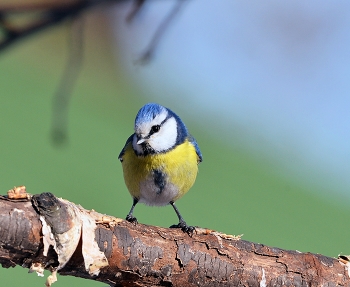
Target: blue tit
{"x": 160, "y": 160}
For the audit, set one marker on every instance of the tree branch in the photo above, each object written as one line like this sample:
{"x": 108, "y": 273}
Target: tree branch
{"x": 43, "y": 232}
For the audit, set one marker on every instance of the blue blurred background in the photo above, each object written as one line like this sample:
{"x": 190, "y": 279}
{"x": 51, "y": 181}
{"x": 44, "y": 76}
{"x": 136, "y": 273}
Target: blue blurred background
{"x": 264, "y": 88}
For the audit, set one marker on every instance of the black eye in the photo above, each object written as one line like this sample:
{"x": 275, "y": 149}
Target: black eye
{"x": 155, "y": 129}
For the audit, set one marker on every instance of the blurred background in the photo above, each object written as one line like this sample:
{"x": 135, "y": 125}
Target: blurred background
{"x": 264, "y": 88}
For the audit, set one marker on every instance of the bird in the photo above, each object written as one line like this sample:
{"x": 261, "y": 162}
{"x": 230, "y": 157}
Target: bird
{"x": 159, "y": 161}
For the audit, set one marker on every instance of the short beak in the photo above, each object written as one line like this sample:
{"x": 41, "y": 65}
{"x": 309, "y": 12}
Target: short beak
{"x": 140, "y": 141}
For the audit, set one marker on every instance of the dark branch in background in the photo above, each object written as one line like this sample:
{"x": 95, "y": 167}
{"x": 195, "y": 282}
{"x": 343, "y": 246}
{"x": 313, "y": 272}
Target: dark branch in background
{"x": 138, "y": 4}
{"x": 48, "y": 16}
{"x": 65, "y": 89}
{"x": 53, "y": 13}
{"x": 159, "y": 33}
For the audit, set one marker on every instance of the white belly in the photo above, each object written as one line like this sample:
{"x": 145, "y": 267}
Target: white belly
{"x": 150, "y": 194}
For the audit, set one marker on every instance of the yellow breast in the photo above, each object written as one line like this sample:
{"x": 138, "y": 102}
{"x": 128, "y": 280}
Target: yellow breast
{"x": 179, "y": 165}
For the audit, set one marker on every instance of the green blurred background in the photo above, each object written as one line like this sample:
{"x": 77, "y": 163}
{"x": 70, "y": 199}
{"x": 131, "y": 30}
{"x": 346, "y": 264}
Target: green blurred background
{"x": 237, "y": 190}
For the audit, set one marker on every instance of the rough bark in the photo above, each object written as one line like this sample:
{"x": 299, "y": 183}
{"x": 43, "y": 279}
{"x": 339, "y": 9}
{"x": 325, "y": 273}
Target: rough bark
{"x": 43, "y": 231}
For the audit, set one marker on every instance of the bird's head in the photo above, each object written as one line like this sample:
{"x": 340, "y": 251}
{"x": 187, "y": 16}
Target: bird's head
{"x": 157, "y": 129}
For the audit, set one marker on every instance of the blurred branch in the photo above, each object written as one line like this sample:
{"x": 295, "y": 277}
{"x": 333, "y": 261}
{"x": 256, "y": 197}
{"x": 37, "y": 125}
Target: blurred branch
{"x": 159, "y": 33}
{"x": 138, "y": 4}
{"x": 47, "y": 15}
{"x": 43, "y": 232}
{"x": 21, "y": 19}
{"x": 70, "y": 75}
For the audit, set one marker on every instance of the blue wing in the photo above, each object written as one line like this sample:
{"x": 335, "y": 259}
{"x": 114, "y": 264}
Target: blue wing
{"x": 129, "y": 140}
{"x": 193, "y": 141}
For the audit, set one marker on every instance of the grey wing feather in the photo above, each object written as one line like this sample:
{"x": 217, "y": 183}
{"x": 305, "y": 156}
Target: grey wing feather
{"x": 129, "y": 140}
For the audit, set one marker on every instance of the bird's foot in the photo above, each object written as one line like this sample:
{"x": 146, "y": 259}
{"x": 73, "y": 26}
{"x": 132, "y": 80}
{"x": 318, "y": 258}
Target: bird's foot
{"x": 184, "y": 227}
{"x": 131, "y": 219}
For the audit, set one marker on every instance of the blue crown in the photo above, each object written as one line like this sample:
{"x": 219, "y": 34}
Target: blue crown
{"x": 148, "y": 112}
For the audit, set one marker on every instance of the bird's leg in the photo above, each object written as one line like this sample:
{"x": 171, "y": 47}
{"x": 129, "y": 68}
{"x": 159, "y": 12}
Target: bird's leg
{"x": 182, "y": 223}
{"x": 130, "y": 217}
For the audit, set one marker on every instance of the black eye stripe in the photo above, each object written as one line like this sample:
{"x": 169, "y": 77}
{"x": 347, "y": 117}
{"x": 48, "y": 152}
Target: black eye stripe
{"x": 156, "y": 128}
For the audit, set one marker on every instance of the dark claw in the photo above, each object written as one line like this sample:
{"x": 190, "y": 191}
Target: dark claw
{"x": 131, "y": 219}
{"x": 184, "y": 227}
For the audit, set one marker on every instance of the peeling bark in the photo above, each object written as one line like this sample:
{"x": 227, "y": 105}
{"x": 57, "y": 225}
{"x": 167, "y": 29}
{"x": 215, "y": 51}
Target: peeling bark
{"x": 44, "y": 232}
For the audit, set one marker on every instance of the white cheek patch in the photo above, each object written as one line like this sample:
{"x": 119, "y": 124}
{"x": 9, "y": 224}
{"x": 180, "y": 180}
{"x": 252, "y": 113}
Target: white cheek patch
{"x": 166, "y": 137}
